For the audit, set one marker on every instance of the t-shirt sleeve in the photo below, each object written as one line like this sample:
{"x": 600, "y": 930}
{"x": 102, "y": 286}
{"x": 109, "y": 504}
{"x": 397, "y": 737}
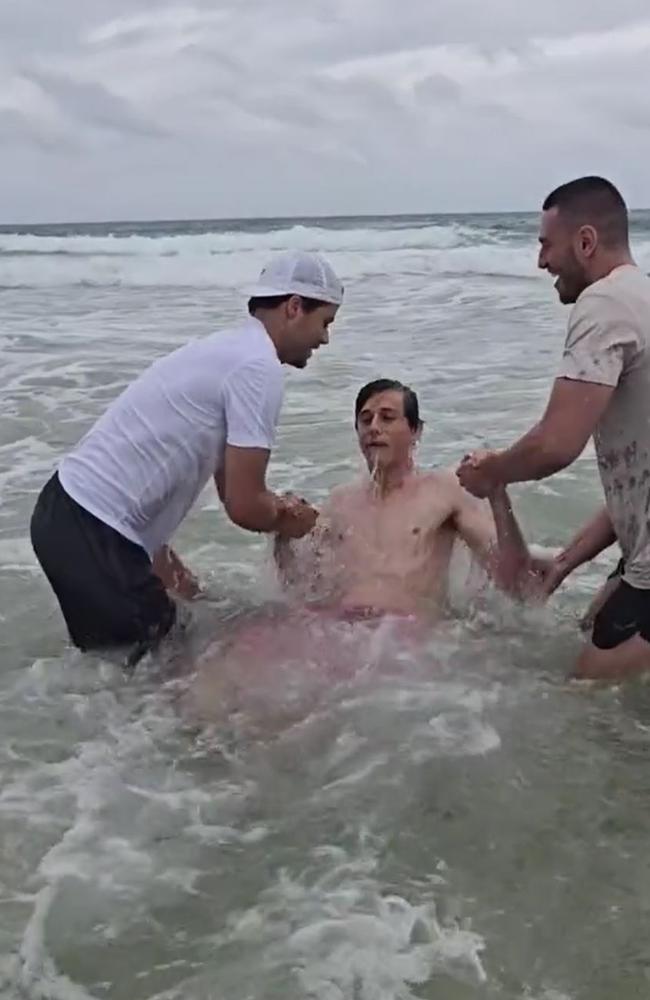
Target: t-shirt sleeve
{"x": 253, "y": 397}
{"x": 599, "y": 339}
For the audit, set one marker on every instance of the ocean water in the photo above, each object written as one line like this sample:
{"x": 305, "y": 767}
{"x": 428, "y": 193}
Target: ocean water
{"x": 459, "y": 824}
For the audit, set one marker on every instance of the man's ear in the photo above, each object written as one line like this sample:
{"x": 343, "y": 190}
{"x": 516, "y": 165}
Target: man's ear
{"x": 293, "y": 307}
{"x": 587, "y": 241}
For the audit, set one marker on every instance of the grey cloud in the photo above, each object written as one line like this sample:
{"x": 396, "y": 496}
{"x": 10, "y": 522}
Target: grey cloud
{"x": 19, "y": 129}
{"x": 93, "y": 104}
{"x": 27, "y": 26}
{"x": 436, "y": 88}
{"x": 335, "y": 106}
{"x": 493, "y": 25}
{"x": 633, "y": 118}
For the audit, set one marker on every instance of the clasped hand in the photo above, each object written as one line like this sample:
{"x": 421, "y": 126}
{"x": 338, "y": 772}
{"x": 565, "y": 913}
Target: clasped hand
{"x": 297, "y": 517}
{"x": 474, "y": 473}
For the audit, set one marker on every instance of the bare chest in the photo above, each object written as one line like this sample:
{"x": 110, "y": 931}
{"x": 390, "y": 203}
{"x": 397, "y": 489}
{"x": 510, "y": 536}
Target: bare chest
{"x": 393, "y": 534}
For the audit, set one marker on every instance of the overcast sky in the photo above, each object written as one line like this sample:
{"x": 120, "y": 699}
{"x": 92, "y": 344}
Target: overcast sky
{"x": 140, "y": 109}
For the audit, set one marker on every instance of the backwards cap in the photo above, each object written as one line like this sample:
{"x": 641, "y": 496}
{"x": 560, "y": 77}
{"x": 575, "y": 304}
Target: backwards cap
{"x": 296, "y": 272}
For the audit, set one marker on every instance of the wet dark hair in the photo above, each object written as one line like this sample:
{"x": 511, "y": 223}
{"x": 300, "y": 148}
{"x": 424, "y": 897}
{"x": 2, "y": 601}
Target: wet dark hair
{"x": 409, "y": 398}
{"x": 273, "y": 301}
{"x": 593, "y": 201}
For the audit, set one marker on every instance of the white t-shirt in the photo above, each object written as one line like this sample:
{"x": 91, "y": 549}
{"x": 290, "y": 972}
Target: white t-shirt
{"x": 145, "y": 461}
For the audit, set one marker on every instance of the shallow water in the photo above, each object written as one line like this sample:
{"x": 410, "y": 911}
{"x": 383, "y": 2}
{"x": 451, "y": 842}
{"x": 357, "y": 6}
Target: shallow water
{"x": 459, "y": 822}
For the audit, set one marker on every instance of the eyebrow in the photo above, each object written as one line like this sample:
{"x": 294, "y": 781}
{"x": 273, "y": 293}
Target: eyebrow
{"x": 382, "y": 409}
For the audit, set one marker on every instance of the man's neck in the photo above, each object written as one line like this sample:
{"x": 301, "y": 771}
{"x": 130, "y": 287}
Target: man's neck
{"x": 391, "y": 479}
{"x": 610, "y": 262}
{"x": 269, "y": 323}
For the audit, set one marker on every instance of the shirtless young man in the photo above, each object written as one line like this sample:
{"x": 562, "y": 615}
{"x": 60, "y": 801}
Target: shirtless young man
{"x": 383, "y": 544}
{"x": 378, "y": 556}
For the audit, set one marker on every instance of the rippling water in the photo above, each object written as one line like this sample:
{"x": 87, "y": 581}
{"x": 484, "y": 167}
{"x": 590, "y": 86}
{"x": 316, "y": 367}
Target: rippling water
{"x": 458, "y": 824}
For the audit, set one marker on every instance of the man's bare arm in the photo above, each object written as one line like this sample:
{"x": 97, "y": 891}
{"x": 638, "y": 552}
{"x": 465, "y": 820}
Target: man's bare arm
{"x": 299, "y": 564}
{"x": 571, "y": 416}
{"x": 248, "y": 501}
{"x": 285, "y": 561}
{"x": 592, "y": 538}
{"x": 220, "y": 483}
{"x": 302, "y": 565}
{"x": 174, "y": 575}
{"x": 290, "y": 568}
{"x": 241, "y": 484}
{"x": 495, "y": 538}
{"x": 511, "y": 560}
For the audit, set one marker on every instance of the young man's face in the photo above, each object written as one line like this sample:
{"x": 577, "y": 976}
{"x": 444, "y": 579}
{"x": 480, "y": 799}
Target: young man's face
{"x": 385, "y": 436}
{"x": 305, "y": 332}
{"x": 559, "y": 254}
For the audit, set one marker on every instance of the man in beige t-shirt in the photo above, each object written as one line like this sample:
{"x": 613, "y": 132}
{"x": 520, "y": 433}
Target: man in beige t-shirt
{"x": 602, "y": 390}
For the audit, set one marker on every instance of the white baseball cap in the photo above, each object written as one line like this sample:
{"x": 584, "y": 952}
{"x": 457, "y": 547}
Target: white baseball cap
{"x": 296, "y": 272}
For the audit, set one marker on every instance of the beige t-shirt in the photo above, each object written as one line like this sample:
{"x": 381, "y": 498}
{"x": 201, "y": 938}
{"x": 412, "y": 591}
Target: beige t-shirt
{"x": 608, "y": 342}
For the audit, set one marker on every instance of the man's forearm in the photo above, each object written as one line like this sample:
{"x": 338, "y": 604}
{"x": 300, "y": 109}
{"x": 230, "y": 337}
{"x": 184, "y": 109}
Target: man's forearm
{"x": 511, "y": 558}
{"x": 534, "y": 456}
{"x": 594, "y": 536}
{"x": 285, "y": 560}
{"x": 173, "y": 573}
{"x": 260, "y": 512}
{"x": 268, "y": 511}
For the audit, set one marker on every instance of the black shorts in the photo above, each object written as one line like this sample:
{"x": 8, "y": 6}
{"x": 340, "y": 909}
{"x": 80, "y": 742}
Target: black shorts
{"x": 105, "y": 584}
{"x": 618, "y": 570}
{"x": 624, "y": 614}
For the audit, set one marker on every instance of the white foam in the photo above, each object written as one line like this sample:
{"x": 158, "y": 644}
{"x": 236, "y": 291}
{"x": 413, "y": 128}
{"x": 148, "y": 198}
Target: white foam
{"x": 344, "y": 937}
{"x": 209, "y": 244}
{"x": 34, "y": 970}
{"x": 106, "y": 808}
{"x": 230, "y": 260}
{"x": 462, "y": 735}
{"x": 547, "y": 994}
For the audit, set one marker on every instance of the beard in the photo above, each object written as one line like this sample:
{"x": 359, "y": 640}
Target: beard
{"x": 571, "y": 280}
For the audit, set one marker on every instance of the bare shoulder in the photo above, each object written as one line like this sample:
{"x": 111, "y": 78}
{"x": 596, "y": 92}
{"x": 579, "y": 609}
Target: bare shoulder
{"x": 441, "y": 482}
{"x": 342, "y": 496}
{"x": 344, "y": 491}
{"x": 440, "y": 487}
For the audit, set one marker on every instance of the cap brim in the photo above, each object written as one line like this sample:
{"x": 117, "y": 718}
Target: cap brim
{"x": 267, "y": 291}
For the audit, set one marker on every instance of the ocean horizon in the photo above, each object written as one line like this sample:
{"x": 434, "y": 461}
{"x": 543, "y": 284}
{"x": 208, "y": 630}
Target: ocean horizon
{"x": 191, "y": 224}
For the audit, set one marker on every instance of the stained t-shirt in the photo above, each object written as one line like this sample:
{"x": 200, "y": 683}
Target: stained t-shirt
{"x": 608, "y": 342}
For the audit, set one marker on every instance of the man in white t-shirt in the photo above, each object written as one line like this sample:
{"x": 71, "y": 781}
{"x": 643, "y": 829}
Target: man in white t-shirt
{"x": 602, "y": 389}
{"x": 102, "y": 524}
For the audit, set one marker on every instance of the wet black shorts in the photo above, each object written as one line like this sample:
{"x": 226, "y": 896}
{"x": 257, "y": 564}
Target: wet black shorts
{"x": 105, "y": 584}
{"x": 624, "y": 614}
